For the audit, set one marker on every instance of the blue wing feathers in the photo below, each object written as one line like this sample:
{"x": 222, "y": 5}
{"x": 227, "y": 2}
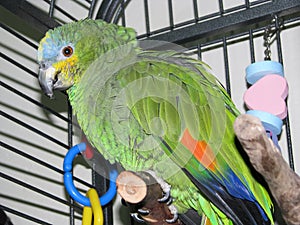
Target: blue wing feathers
{"x": 231, "y": 196}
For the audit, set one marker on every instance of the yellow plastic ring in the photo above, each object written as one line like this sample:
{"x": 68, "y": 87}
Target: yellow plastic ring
{"x": 95, "y": 209}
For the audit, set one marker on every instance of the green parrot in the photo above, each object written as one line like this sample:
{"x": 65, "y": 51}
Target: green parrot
{"x": 156, "y": 111}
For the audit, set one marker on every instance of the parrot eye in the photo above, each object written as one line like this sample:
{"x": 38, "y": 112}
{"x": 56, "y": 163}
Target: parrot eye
{"x": 67, "y": 51}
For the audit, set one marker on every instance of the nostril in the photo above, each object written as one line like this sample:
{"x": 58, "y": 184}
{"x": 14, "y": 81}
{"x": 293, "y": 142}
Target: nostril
{"x": 42, "y": 65}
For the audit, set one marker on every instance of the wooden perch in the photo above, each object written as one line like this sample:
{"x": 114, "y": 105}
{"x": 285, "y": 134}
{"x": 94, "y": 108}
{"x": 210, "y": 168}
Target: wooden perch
{"x": 140, "y": 191}
{"x": 268, "y": 161}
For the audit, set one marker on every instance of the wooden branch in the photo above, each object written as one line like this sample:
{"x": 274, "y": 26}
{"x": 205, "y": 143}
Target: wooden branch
{"x": 268, "y": 161}
{"x": 141, "y": 191}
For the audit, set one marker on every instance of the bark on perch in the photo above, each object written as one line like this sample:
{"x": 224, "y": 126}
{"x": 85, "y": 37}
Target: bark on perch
{"x": 268, "y": 161}
{"x": 140, "y": 191}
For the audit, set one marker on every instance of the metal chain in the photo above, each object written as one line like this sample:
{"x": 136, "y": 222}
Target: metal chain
{"x": 269, "y": 33}
{"x": 267, "y": 42}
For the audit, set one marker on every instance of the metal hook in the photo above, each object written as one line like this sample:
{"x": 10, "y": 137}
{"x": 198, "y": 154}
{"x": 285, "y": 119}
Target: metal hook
{"x": 268, "y": 34}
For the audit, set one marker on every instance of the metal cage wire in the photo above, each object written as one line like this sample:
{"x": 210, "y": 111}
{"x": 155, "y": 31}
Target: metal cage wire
{"x": 200, "y": 34}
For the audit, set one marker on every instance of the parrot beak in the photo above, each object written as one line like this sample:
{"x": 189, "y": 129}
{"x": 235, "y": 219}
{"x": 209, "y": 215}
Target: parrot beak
{"x": 46, "y": 79}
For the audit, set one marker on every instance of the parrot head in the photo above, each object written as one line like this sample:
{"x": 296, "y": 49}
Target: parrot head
{"x": 66, "y": 51}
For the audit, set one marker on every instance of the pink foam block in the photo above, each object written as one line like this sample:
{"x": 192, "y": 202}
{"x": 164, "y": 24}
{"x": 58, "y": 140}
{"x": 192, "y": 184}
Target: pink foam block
{"x": 268, "y": 94}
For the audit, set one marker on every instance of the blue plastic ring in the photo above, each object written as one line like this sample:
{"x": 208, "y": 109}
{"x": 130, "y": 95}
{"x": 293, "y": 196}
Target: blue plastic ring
{"x": 69, "y": 184}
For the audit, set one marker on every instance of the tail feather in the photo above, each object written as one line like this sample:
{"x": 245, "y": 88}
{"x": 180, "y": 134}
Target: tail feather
{"x": 191, "y": 217}
{"x": 240, "y": 211}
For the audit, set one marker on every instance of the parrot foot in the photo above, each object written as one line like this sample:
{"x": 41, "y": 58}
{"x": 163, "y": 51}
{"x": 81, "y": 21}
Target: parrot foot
{"x": 164, "y": 186}
{"x": 167, "y": 198}
{"x": 174, "y": 212}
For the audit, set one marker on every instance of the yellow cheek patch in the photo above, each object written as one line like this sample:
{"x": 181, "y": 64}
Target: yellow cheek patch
{"x": 66, "y": 66}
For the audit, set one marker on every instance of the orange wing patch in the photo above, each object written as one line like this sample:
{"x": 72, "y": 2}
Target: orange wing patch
{"x": 200, "y": 149}
{"x": 207, "y": 222}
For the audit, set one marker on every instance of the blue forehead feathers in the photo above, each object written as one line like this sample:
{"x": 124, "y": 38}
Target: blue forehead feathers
{"x": 50, "y": 48}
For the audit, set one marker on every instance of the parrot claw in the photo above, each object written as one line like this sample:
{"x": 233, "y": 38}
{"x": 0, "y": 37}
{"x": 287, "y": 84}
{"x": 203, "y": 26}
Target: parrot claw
{"x": 137, "y": 218}
{"x": 143, "y": 212}
{"x": 173, "y": 220}
{"x": 174, "y": 212}
{"x": 166, "y": 198}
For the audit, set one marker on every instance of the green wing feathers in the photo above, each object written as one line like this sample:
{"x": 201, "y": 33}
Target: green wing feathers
{"x": 152, "y": 101}
{"x": 175, "y": 98}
